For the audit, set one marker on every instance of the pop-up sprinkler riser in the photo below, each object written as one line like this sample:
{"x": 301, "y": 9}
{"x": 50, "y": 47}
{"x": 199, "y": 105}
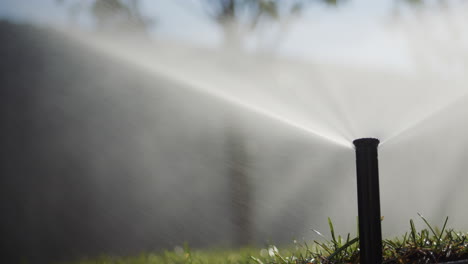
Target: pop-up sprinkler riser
{"x": 370, "y": 231}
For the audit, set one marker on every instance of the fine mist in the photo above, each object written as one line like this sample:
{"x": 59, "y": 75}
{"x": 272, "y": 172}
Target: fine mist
{"x": 118, "y": 146}
{"x": 106, "y": 158}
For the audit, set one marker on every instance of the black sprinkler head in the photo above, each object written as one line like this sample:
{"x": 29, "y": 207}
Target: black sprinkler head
{"x": 366, "y": 143}
{"x": 370, "y": 231}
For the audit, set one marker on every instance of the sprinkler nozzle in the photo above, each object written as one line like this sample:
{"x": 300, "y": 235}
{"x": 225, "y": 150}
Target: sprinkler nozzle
{"x": 362, "y": 143}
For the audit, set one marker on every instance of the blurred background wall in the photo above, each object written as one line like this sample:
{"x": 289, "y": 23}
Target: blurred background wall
{"x": 122, "y": 162}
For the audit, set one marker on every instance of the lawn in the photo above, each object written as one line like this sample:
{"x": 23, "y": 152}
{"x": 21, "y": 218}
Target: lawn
{"x": 428, "y": 245}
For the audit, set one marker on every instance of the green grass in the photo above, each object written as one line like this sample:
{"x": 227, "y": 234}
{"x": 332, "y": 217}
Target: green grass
{"x": 428, "y": 245}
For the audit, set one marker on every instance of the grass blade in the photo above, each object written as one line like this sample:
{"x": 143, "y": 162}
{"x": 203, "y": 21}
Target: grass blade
{"x": 258, "y": 261}
{"x": 413, "y": 231}
{"x": 427, "y": 223}
{"x": 332, "y": 231}
{"x": 442, "y": 231}
{"x": 345, "y": 246}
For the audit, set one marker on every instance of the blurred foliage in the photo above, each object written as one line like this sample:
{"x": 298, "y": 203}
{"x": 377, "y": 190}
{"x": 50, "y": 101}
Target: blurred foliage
{"x": 414, "y": 2}
{"x": 126, "y": 15}
{"x": 252, "y": 11}
{"x": 237, "y": 18}
{"x": 112, "y": 15}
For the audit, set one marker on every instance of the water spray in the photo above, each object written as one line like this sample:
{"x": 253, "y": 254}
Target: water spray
{"x": 370, "y": 230}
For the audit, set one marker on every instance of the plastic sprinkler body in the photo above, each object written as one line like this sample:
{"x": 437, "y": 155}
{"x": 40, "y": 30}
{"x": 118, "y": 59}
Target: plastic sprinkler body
{"x": 370, "y": 230}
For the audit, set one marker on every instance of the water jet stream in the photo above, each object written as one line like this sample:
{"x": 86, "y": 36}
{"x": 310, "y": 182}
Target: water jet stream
{"x": 424, "y": 119}
{"x": 134, "y": 58}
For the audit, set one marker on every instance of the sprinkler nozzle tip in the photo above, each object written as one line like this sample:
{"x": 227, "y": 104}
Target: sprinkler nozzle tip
{"x": 366, "y": 142}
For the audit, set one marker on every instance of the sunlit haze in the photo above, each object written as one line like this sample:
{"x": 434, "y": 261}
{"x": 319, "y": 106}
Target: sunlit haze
{"x": 139, "y": 132}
